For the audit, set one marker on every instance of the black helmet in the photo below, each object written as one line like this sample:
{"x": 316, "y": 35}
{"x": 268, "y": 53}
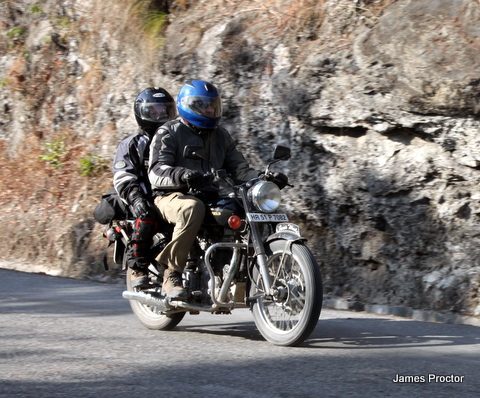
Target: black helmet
{"x": 153, "y": 107}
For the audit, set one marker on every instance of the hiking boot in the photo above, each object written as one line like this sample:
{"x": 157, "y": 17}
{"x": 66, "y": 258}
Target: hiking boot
{"x": 173, "y": 285}
{"x": 140, "y": 279}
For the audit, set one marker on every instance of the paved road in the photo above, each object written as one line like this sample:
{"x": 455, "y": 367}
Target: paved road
{"x": 70, "y": 338}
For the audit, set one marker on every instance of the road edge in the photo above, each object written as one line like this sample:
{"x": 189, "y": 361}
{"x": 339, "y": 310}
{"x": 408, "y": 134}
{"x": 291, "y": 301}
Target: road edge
{"x": 402, "y": 312}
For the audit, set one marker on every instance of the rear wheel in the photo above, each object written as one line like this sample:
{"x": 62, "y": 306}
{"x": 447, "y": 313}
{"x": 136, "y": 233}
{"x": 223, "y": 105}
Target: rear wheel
{"x": 291, "y": 315}
{"x": 149, "y": 315}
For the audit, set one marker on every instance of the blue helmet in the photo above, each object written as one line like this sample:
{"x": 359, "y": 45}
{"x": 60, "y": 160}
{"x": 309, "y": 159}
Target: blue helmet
{"x": 199, "y": 103}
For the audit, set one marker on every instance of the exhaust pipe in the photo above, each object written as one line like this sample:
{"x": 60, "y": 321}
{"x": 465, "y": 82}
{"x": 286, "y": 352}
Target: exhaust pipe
{"x": 147, "y": 299}
{"x": 165, "y": 305}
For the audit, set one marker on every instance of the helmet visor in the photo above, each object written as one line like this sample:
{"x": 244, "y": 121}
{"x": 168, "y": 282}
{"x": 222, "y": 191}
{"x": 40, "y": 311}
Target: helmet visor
{"x": 204, "y": 106}
{"x": 154, "y": 111}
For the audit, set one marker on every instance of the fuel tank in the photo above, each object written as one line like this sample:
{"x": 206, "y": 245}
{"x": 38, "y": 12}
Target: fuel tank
{"x": 219, "y": 212}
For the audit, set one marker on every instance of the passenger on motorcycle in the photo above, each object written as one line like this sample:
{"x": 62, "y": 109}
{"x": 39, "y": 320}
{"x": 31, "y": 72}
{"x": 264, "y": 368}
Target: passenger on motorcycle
{"x": 152, "y": 108}
{"x": 171, "y": 175}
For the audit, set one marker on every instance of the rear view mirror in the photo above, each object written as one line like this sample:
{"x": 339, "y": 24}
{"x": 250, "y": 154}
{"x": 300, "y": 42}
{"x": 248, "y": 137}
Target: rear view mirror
{"x": 193, "y": 152}
{"x": 281, "y": 153}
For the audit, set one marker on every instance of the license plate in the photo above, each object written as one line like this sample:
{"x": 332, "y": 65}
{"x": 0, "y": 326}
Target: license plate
{"x": 288, "y": 227}
{"x": 263, "y": 217}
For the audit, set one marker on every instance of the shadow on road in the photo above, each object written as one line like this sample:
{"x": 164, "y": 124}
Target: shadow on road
{"x": 41, "y": 294}
{"x": 354, "y": 333}
{"x": 348, "y": 333}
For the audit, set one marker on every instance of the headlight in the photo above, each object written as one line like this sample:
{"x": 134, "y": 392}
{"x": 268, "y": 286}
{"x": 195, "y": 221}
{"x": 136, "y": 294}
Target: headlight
{"x": 265, "y": 196}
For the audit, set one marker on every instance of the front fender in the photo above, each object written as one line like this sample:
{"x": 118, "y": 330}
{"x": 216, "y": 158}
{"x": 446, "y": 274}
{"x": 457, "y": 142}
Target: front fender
{"x": 286, "y": 235}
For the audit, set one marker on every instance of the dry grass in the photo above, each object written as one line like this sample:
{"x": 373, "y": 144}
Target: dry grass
{"x": 277, "y": 17}
{"x": 47, "y": 210}
{"x": 151, "y": 20}
{"x": 43, "y": 207}
{"x": 281, "y": 17}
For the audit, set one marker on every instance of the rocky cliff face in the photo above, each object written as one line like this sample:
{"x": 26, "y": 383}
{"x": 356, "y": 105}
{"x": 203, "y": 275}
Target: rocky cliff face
{"x": 379, "y": 101}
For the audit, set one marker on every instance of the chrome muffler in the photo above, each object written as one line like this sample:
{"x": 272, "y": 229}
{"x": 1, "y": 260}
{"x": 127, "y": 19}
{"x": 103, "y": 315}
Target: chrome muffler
{"x": 166, "y": 305}
{"x": 147, "y": 299}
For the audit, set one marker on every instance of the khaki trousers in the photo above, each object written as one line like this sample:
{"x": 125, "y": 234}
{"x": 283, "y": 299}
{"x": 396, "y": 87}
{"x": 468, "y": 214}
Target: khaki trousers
{"x": 187, "y": 213}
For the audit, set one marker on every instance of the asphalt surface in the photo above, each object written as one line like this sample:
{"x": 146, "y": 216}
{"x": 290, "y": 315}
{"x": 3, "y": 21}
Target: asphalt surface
{"x": 71, "y": 338}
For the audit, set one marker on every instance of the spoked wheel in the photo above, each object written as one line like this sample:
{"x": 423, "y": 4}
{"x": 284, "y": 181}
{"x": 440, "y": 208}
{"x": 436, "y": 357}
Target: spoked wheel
{"x": 291, "y": 315}
{"x": 149, "y": 315}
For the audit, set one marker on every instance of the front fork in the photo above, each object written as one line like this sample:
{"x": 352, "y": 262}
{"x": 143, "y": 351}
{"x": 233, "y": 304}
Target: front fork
{"x": 262, "y": 258}
{"x": 259, "y": 248}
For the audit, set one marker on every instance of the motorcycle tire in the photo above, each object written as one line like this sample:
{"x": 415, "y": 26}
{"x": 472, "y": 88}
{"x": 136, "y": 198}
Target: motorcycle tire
{"x": 290, "y": 318}
{"x": 147, "y": 314}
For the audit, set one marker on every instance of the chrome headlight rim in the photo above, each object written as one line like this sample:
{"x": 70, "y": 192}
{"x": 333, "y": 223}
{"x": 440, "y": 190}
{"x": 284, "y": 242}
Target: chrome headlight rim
{"x": 265, "y": 196}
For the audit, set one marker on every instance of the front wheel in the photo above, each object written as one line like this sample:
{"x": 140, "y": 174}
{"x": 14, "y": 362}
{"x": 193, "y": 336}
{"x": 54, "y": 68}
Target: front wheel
{"x": 148, "y": 315}
{"x": 291, "y": 315}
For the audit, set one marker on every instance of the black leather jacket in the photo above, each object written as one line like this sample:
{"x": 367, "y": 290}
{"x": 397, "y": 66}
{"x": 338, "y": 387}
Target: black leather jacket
{"x": 167, "y": 164}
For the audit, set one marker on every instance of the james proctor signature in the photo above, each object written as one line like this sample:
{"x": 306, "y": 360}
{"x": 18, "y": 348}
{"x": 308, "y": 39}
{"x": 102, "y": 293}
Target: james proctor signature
{"x": 429, "y": 378}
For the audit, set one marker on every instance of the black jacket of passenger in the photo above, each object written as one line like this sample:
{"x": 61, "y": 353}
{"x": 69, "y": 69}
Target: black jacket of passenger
{"x": 130, "y": 166}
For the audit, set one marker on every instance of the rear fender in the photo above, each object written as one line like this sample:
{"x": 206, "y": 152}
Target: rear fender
{"x": 118, "y": 251}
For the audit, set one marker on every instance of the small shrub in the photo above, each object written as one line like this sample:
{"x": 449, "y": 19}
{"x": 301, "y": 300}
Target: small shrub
{"x": 53, "y": 152}
{"x": 63, "y": 22}
{"x": 92, "y": 165}
{"x": 16, "y": 36}
{"x": 35, "y": 10}
{"x": 16, "y": 33}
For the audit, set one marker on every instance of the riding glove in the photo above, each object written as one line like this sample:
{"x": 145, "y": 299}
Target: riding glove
{"x": 193, "y": 178}
{"x": 138, "y": 205}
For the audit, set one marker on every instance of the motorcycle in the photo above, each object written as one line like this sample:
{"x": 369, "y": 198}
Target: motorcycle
{"x": 247, "y": 255}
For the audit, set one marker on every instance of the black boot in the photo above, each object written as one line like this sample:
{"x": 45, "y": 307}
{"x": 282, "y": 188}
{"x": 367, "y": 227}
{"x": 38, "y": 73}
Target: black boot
{"x": 139, "y": 278}
{"x": 173, "y": 285}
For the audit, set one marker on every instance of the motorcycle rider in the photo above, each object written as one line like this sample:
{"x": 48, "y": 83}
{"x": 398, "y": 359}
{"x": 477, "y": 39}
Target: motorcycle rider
{"x": 171, "y": 175}
{"x": 152, "y": 108}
